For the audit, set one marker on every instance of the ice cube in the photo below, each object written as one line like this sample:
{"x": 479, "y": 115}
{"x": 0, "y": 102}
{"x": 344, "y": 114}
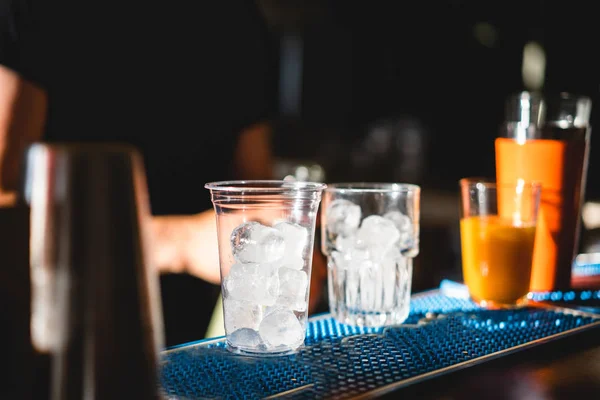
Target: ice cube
{"x": 403, "y": 281}
{"x": 378, "y": 234}
{"x": 351, "y": 289}
{"x": 241, "y": 314}
{"x": 252, "y": 282}
{"x": 295, "y": 239}
{"x": 343, "y": 280}
{"x": 343, "y": 217}
{"x": 371, "y": 293}
{"x": 296, "y": 263}
{"x": 292, "y": 289}
{"x": 252, "y": 242}
{"x": 281, "y": 328}
{"x": 404, "y": 226}
{"x": 245, "y": 338}
{"x": 352, "y": 250}
{"x": 345, "y": 243}
{"x": 390, "y": 279}
{"x": 339, "y": 261}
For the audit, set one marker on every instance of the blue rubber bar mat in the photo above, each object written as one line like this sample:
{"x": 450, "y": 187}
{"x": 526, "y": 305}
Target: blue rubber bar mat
{"x": 442, "y": 334}
{"x": 589, "y": 298}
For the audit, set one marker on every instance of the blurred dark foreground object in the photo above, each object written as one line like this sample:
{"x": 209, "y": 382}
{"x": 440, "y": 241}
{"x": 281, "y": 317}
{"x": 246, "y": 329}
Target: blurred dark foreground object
{"x": 96, "y": 313}
{"x": 15, "y": 369}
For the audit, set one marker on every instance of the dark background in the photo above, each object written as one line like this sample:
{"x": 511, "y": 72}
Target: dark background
{"x": 414, "y": 92}
{"x": 366, "y": 62}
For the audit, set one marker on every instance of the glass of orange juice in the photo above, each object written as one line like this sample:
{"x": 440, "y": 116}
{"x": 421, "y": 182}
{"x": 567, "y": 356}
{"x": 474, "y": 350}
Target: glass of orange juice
{"x": 497, "y": 231}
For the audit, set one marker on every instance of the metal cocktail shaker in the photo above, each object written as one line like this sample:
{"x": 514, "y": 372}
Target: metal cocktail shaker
{"x": 546, "y": 138}
{"x": 95, "y": 302}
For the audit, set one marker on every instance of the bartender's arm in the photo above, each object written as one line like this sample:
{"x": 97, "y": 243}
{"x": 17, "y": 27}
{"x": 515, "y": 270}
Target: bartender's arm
{"x": 189, "y": 243}
{"x": 179, "y": 243}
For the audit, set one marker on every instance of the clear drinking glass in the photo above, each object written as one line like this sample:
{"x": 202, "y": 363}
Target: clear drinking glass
{"x": 370, "y": 235}
{"x": 497, "y": 229}
{"x": 266, "y": 233}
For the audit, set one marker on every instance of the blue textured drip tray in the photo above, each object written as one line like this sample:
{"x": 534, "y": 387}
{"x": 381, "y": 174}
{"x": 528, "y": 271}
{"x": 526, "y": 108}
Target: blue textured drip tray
{"x": 339, "y": 361}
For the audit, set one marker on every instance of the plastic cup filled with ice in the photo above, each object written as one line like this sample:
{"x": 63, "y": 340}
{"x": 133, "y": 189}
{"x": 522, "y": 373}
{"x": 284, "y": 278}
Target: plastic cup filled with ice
{"x": 370, "y": 235}
{"x": 266, "y": 233}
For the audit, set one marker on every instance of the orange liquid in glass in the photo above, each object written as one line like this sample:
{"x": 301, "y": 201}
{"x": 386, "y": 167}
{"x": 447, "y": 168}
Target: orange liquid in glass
{"x": 497, "y": 258}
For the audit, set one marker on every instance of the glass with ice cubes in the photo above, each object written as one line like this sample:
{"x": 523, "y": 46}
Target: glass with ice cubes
{"x": 266, "y": 233}
{"x": 370, "y": 235}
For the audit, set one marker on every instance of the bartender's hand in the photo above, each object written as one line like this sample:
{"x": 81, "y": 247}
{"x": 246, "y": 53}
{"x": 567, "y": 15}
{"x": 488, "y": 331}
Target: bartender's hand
{"x": 186, "y": 244}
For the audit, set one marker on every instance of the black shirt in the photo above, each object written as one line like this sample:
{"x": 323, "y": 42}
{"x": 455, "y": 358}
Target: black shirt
{"x": 177, "y": 79}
